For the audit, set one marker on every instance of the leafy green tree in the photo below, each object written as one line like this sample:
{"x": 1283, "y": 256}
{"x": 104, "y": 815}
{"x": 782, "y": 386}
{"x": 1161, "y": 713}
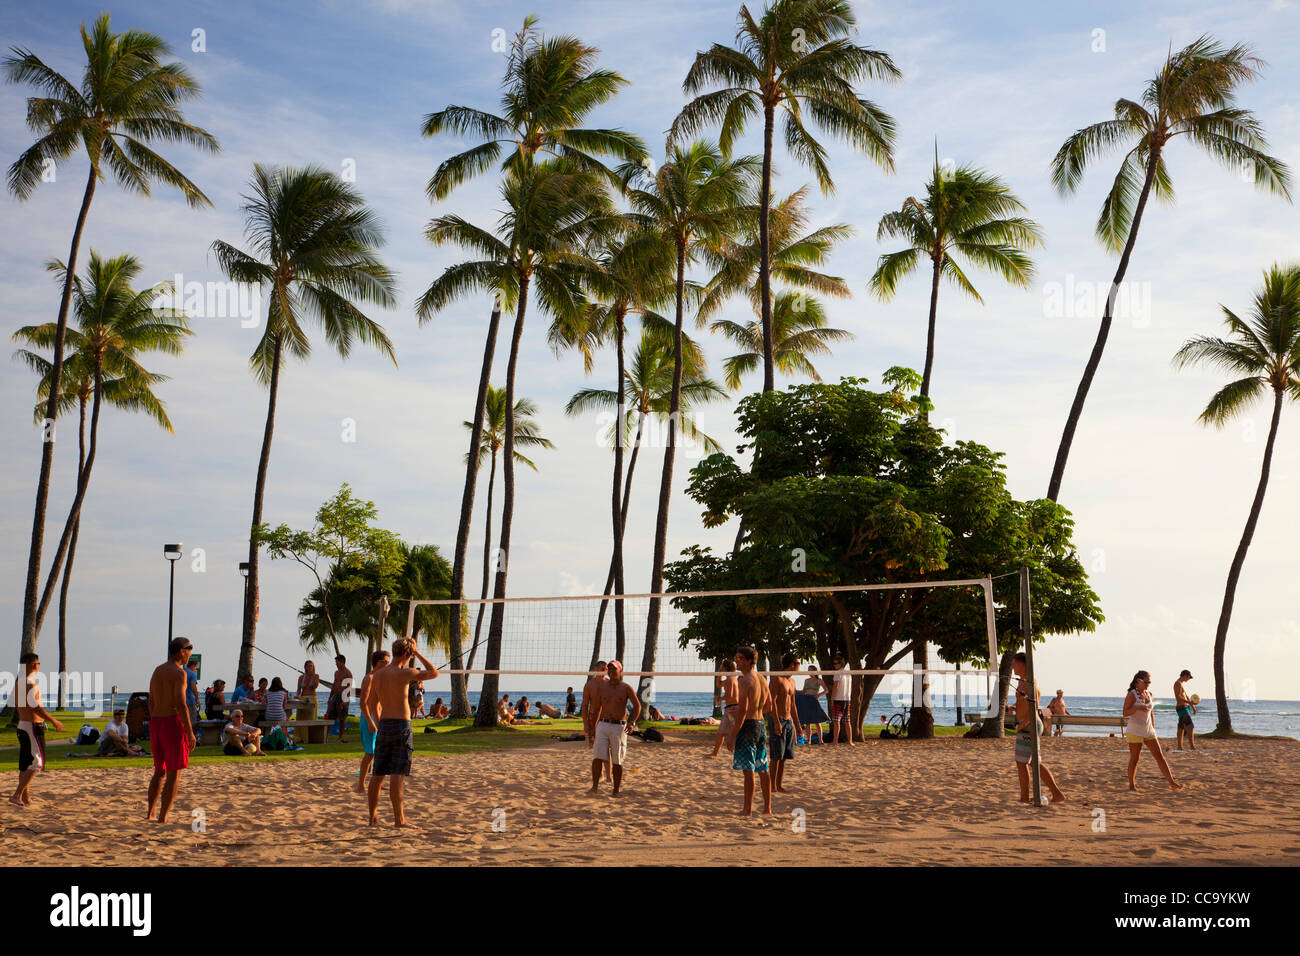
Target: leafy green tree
{"x": 314, "y": 242}
{"x": 696, "y": 200}
{"x": 850, "y": 486}
{"x": 1193, "y": 95}
{"x": 129, "y": 99}
{"x": 798, "y": 59}
{"x": 1262, "y": 352}
{"x": 967, "y": 214}
{"x": 115, "y": 326}
{"x": 527, "y": 435}
{"x": 338, "y": 545}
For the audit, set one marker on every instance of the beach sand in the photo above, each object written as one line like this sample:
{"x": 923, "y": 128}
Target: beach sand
{"x": 938, "y": 802}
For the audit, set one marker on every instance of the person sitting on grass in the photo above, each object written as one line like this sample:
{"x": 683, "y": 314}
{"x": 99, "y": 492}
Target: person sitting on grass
{"x": 239, "y": 739}
{"x": 115, "y": 741}
{"x": 521, "y": 712}
{"x": 439, "y": 710}
{"x": 505, "y": 713}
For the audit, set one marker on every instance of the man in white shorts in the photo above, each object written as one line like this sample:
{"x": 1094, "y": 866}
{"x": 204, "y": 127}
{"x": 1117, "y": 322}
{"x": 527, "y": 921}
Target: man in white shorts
{"x": 611, "y": 723}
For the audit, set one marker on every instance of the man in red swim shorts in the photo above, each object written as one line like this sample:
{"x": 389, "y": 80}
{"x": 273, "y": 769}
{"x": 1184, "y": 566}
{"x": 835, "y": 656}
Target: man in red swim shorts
{"x": 170, "y": 733}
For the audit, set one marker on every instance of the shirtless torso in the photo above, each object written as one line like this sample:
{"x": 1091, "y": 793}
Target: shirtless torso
{"x": 753, "y": 696}
{"x": 167, "y": 691}
{"x": 387, "y": 692}
{"x": 782, "y": 691}
{"x": 1057, "y": 706}
{"x": 1181, "y": 697}
{"x": 610, "y": 700}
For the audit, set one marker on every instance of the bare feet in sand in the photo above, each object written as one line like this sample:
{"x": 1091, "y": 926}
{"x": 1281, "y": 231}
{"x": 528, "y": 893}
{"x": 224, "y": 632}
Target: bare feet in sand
{"x": 16, "y": 802}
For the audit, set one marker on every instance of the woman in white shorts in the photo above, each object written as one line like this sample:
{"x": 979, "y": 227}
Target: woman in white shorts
{"x": 1140, "y": 730}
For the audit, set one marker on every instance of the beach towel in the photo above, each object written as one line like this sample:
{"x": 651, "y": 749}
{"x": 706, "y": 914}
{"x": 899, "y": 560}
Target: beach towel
{"x": 809, "y": 709}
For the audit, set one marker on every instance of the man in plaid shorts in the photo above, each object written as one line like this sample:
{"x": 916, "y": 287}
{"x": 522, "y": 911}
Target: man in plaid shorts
{"x": 841, "y": 700}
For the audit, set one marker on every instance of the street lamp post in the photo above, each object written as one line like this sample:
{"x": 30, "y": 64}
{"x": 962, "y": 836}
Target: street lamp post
{"x": 172, "y": 552}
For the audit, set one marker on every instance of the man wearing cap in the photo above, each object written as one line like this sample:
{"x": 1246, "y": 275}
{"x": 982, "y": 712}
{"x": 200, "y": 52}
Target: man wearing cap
{"x": 115, "y": 741}
{"x": 598, "y": 678}
{"x": 1183, "y": 704}
{"x": 611, "y": 723}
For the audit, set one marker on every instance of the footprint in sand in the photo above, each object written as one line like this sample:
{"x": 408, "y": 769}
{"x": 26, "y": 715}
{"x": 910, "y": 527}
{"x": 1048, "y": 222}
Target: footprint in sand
{"x": 1146, "y": 853}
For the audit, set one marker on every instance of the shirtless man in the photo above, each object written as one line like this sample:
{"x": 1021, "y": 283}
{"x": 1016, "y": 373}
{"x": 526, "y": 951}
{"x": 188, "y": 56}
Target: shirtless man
{"x": 387, "y": 696}
{"x": 31, "y": 730}
{"x": 1186, "y": 709}
{"x": 748, "y": 738}
{"x": 1057, "y": 708}
{"x": 171, "y": 738}
{"x": 1027, "y": 711}
{"x": 612, "y": 725}
{"x": 785, "y": 726}
{"x": 377, "y": 660}
{"x": 730, "y": 701}
{"x": 597, "y": 678}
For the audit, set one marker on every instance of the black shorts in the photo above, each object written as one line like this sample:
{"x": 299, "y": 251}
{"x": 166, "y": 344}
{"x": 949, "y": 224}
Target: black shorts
{"x": 31, "y": 746}
{"x": 394, "y": 746}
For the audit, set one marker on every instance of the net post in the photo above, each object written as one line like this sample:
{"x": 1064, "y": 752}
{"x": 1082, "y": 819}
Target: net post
{"x": 1026, "y": 620}
{"x": 410, "y": 617}
{"x": 991, "y": 626}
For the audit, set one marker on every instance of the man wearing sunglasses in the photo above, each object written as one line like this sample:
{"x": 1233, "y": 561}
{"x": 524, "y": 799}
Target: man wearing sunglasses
{"x": 171, "y": 737}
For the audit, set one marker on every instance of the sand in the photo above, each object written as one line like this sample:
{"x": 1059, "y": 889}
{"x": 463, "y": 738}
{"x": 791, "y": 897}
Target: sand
{"x": 938, "y": 802}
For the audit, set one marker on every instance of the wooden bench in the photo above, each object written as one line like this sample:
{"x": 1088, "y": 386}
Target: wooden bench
{"x": 208, "y": 732}
{"x": 1102, "y": 724}
{"x": 306, "y": 731}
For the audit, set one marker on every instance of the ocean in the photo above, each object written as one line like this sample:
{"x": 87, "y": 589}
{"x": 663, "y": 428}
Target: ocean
{"x": 1265, "y": 717}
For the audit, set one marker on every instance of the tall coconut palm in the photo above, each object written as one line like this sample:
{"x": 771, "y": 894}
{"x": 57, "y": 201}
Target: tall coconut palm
{"x": 1262, "y": 352}
{"x": 551, "y": 212}
{"x": 115, "y": 325}
{"x": 494, "y": 437}
{"x": 967, "y": 214}
{"x": 129, "y": 99}
{"x": 800, "y": 330}
{"x": 797, "y": 58}
{"x": 1193, "y": 94}
{"x": 697, "y": 200}
{"x": 313, "y": 242}
{"x": 549, "y": 87}
{"x": 646, "y": 395}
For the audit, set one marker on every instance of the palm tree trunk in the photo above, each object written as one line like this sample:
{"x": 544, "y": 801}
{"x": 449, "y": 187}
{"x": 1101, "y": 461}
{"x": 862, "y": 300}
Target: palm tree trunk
{"x": 929, "y": 337}
{"x": 764, "y": 262}
{"x": 487, "y": 553}
{"x": 618, "y": 505}
{"x": 74, "y": 513}
{"x": 665, "y": 493}
{"x": 460, "y": 682}
{"x": 30, "y": 626}
{"x": 620, "y": 643}
{"x": 487, "y": 706}
{"x": 1081, "y": 395}
{"x": 1234, "y": 572}
{"x": 67, "y": 568}
{"x": 251, "y": 592}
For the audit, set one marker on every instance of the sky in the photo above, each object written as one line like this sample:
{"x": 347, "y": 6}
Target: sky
{"x": 1158, "y": 499}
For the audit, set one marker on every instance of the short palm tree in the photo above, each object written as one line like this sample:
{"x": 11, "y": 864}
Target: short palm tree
{"x": 313, "y": 242}
{"x": 115, "y": 325}
{"x": 646, "y": 394}
{"x": 696, "y": 200}
{"x": 800, "y": 330}
{"x": 967, "y": 214}
{"x": 1192, "y": 95}
{"x": 797, "y": 58}
{"x": 129, "y": 99}
{"x": 552, "y": 210}
{"x": 1262, "y": 352}
{"x": 550, "y": 86}
{"x": 494, "y": 437}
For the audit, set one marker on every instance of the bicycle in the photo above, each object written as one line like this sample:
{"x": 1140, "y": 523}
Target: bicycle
{"x": 896, "y": 725}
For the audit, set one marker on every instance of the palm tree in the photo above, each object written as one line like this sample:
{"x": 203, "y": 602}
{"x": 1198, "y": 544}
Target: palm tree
{"x": 799, "y": 329}
{"x": 1262, "y": 351}
{"x": 696, "y": 200}
{"x": 550, "y": 85}
{"x": 128, "y": 100}
{"x": 115, "y": 325}
{"x": 552, "y": 210}
{"x": 798, "y": 57}
{"x": 494, "y": 437}
{"x": 313, "y": 242}
{"x": 966, "y": 213}
{"x": 1191, "y": 95}
{"x": 646, "y": 393}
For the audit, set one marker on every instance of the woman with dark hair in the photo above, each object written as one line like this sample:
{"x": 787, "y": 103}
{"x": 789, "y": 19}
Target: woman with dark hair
{"x": 1140, "y": 730}
{"x": 276, "y": 711}
{"x": 216, "y": 702}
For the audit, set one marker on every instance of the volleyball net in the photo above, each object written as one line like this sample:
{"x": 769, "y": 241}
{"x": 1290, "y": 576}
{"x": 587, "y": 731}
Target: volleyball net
{"x": 564, "y": 636}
